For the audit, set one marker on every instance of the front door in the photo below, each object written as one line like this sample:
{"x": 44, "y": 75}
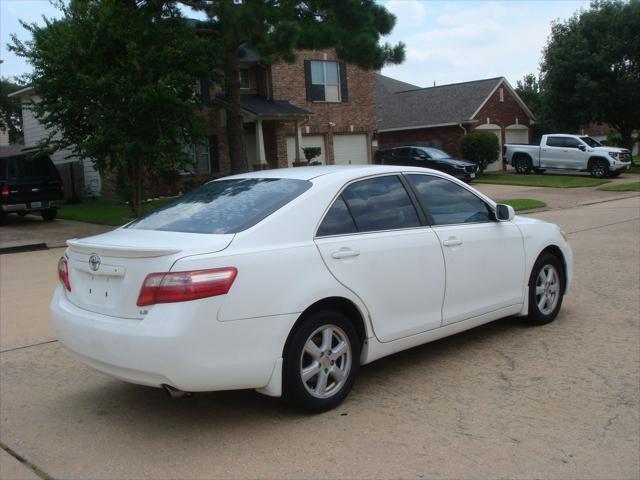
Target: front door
{"x": 373, "y": 242}
{"x": 484, "y": 258}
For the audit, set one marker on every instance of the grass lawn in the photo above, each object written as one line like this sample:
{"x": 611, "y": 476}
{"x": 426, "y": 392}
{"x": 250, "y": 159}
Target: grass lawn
{"x": 520, "y": 204}
{"x": 533, "y": 180}
{"x": 635, "y": 167}
{"x": 622, "y": 187}
{"x": 104, "y": 213}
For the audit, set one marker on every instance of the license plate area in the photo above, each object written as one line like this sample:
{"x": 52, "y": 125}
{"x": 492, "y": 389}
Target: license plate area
{"x": 99, "y": 288}
{"x": 39, "y": 204}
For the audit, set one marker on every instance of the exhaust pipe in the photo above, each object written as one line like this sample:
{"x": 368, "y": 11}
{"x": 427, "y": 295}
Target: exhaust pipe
{"x": 173, "y": 392}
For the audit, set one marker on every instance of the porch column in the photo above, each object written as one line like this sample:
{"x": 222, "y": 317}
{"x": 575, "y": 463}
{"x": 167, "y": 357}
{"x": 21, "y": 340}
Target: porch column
{"x": 261, "y": 158}
{"x": 299, "y": 153}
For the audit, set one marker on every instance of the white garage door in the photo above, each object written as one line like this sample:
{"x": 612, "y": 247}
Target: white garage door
{"x": 516, "y": 135}
{"x": 350, "y": 149}
{"x": 307, "y": 141}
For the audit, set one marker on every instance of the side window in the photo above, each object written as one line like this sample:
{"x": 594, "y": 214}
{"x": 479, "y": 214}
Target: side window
{"x": 380, "y": 203}
{"x": 449, "y": 203}
{"x": 570, "y": 142}
{"x": 337, "y": 221}
{"x": 555, "y": 142}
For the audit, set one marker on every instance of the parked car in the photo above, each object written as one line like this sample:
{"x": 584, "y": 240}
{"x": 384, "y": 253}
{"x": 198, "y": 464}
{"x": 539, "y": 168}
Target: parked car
{"x": 428, "y": 157}
{"x": 568, "y": 152}
{"x": 288, "y": 280}
{"x": 29, "y": 182}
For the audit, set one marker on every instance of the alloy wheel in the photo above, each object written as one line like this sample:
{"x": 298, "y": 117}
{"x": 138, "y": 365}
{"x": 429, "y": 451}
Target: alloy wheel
{"x": 325, "y": 361}
{"x": 547, "y": 289}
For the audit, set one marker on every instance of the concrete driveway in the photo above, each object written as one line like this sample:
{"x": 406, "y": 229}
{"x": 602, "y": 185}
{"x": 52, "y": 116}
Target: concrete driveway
{"x": 503, "y": 400}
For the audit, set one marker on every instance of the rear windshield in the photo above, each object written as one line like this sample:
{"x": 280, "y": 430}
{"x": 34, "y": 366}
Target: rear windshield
{"x": 223, "y": 206}
{"x": 27, "y": 167}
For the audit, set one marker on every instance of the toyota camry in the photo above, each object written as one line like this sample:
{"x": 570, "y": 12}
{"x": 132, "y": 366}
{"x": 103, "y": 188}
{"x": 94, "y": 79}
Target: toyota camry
{"x": 287, "y": 281}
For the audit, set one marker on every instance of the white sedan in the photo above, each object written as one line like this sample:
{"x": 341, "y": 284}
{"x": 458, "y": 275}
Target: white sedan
{"x": 286, "y": 281}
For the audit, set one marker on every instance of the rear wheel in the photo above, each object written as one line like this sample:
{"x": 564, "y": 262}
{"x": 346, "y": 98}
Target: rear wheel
{"x": 599, "y": 169}
{"x": 321, "y": 362}
{"x": 522, "y": 165}
{"x": 49, "y": 214}
{"x": 546, "y": 289}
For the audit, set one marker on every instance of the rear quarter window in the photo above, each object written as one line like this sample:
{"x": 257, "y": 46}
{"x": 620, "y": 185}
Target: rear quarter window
{"x": 223, "y": 206}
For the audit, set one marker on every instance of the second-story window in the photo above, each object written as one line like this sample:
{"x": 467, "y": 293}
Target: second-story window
{"x": 325, "y": 81}
{"x": 245, "y": 82}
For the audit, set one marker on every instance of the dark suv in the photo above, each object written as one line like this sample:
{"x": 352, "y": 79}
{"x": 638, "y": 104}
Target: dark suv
{"x": 428, "y": 157}
{"x": 29, "y": 182}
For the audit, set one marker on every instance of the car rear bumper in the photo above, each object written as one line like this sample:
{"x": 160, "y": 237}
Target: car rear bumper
{"x": 181, "y": 344}
{"x": 32, "y": 206}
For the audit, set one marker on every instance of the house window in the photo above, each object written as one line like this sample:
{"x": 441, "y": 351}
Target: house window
{"x": 205, "y": 157}
{"x": 502, "y": 94}
{"x": 325, "y": 81}
{"x": 245, "y": 82}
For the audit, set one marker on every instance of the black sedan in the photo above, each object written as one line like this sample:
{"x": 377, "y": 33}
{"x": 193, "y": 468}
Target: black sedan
{"x": 428, "y": 157}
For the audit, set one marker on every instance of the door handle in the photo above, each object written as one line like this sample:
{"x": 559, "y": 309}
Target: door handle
{"x": 345, "y": 253}
{"x": 452, "y": 242}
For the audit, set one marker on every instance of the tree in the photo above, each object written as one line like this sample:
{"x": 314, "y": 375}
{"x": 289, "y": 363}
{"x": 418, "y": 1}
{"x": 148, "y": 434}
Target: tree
{"x": 275, "y": 28}
{"x": 591, "y": 68}
{"x": 116, "y": 81}
{"x": 480, "y": 147}
{"x": 10, "y": 111}
{"x": 529, "y": 89}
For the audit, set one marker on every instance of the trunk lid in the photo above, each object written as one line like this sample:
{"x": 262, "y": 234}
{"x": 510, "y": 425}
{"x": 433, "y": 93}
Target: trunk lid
{"x": 106, "y": 271}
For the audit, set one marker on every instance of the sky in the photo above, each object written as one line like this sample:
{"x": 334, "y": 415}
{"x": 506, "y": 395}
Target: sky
{"x": 447, "y": 41}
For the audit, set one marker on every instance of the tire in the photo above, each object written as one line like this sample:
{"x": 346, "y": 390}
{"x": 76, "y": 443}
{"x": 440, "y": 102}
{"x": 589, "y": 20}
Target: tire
{"x": 599, "y": 169}
{"x": 547, "y": 274}
{"x": 539, "y": 171}
{"x": 331, "y": 375}
{"x": 522, "y": 165}
{"x": 49, "y": 214}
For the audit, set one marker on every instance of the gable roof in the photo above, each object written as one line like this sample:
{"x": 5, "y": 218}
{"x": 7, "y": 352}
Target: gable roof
{"x": 391, "y": 85}
{"x": 441, "y": 105}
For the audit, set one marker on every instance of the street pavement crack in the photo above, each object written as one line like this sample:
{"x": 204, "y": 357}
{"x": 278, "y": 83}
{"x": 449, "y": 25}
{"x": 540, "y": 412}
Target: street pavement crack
{"x": 605, "y": 225}
{"x": 34, "y": 468}
{"x": 27, "y": 346}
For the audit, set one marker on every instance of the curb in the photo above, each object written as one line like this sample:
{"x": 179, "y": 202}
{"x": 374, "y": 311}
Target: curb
{"x": 30, "y": 247}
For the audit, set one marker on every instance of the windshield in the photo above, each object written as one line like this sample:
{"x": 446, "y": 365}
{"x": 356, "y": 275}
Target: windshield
{"x": 435, "y": 153}
{"x": 591, "y": 142}
{"x": 223, "y": 206}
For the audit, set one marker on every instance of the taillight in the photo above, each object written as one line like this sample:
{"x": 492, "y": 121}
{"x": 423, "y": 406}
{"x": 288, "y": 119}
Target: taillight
{"x": 63, "y": 273}
{"x": 183, "y": 286}
{"x": 5, "y": 191}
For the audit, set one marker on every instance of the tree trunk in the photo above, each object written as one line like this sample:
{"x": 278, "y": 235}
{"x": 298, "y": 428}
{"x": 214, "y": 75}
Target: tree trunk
{"x": 626, "y": 134}
{"x": 235, "y": 124}
{"x": 135, "y": 185}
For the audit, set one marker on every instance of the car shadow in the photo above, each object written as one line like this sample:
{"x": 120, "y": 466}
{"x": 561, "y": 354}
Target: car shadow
{"x": 128, "y": 406}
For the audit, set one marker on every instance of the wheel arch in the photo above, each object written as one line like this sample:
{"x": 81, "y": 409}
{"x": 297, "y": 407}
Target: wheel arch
{"x": 556, "y": 252}
{"x": 340, "y": 304}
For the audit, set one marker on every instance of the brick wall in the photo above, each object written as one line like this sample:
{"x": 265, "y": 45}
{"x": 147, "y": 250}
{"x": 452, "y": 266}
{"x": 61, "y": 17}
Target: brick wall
{"x": 445, "y": 138}
{"x": 504, "y": 113}
{"x": 357, "y": 115}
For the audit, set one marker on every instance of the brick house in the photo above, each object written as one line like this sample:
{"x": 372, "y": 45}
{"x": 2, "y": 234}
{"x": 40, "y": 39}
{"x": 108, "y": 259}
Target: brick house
{"x": 316, "y": 101}
{"x": 440, "y": 116}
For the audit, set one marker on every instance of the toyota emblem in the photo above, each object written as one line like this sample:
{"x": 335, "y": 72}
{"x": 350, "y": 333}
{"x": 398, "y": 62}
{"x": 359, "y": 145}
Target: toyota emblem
{"x": 94, "y": 262}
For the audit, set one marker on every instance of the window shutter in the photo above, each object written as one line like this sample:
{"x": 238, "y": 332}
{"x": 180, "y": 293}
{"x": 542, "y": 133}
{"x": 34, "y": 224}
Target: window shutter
{"x": 204, "y": 90}
{"x": 344, "y": 91}
{"x": 307, "y": 79}
{"x": 214, "y": 154}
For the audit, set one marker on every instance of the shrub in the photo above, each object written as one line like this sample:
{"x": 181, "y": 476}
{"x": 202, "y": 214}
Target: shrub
{"x": 480, "y": 147}
{"x": 310, "y": 153}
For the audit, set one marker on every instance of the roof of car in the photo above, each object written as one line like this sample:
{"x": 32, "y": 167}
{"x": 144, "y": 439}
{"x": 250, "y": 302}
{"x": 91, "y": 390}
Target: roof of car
{"x": 308, "y": 173}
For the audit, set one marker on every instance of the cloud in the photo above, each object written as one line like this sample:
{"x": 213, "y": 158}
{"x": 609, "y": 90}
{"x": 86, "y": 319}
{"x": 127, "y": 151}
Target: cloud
{"x": 469, "y": 41}
{"x": 409, "y": 13}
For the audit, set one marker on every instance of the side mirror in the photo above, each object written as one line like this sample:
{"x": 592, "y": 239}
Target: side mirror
{"x": 582, "y": 147}
{"x": 505, "y": 213}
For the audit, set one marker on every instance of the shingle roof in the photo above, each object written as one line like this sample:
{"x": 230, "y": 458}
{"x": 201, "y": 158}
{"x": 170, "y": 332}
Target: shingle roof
{"x": 260, "y": 106}
{"x": 444, "y": 104}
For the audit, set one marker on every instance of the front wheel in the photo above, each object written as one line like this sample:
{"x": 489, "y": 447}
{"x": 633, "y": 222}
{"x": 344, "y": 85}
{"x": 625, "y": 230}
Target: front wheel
{"x": 321, "y": 362}
{"x": 546, "y": 289}
{"x": 599, "y": 169}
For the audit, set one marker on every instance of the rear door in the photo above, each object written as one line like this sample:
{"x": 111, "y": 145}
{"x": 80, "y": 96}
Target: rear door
{"x": 33, "y": 180}
{"x": 484, "y": 258}
{"x": 374, "y": 242}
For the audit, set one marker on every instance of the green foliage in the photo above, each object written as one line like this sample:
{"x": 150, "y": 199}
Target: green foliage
{"x": 480, "y": 147}
{"x": 529, "y": 89}
{"x": 116, "y": 81}
{"x": 10, "y": 111}
{"x": 552, "y": 181}
{"x": 591, "y": 68}
{"x": 622, "y": 187}
{"x": 312, "y": 152}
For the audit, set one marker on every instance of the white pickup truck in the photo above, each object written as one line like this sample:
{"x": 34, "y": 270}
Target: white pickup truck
{"x": 568, "y": 152}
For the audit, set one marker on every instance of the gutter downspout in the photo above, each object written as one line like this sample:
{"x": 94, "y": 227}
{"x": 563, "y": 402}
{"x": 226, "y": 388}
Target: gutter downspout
{"x": 463, "y": 129}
